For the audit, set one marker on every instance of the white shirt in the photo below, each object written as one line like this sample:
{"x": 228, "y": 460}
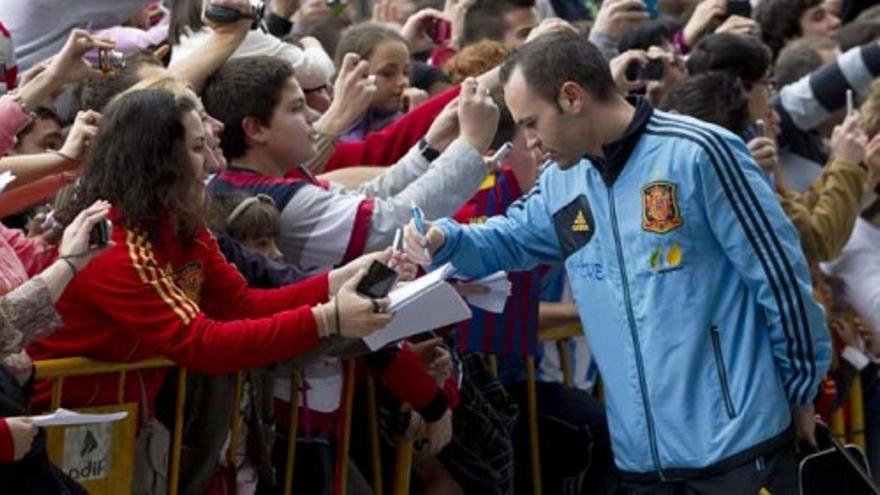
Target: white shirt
{"x": 859, "y": 268}
{"x": 309, "y": 65}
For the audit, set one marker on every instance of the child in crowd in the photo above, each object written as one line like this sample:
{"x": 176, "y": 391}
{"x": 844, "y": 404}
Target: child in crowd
{"x": 388, "y": 54}
{"x": 254, "y": 221}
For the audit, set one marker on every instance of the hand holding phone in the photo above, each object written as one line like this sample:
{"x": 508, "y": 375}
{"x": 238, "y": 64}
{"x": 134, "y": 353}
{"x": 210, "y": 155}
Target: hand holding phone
{"x": 224, "y": 14}
{"x": 378, "y": 281}
{"x": 742, "y": 8}
{"x": 99, "y": 236}
{"x": 761, "y": 128}
{"x": 653, "y": 70}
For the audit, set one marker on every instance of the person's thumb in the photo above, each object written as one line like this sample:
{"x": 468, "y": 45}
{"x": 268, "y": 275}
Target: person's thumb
{"x": 384, "y": 256}
{"x": 351, "y": 284}
{"x": 434, "y": 238}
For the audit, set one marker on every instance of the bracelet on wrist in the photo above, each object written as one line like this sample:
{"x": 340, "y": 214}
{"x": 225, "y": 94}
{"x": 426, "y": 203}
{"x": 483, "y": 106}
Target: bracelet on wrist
{"x": 69, "y": 264}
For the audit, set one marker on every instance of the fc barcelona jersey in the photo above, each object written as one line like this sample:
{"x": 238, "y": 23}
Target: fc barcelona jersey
{"x": 513, "y": 332}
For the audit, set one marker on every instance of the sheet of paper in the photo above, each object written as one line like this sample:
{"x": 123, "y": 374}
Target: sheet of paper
{"x": 495, "y": 300}
{"x": 409, "y": 290}
{"x": 6, "y": 178}
{"x": 436, "y": 306}
{"x": 64, "y": 417}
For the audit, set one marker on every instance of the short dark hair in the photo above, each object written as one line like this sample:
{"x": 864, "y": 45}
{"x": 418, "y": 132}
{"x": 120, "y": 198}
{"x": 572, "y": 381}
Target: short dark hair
{"x": 363, "y": 38}
{"x": 857, "y": 34}
{"x": 506, "y": 126}
{"x": 485, "y": 19}
{"x": 715, "y": 97}
{"x": 245, "y": 87}
{"x": 553, "y": 59}
{"x": 799, "y": 59}
{"x": 746, "y": 57}
{"x": 40, "y": 113}
{"x": 780, "y": 20}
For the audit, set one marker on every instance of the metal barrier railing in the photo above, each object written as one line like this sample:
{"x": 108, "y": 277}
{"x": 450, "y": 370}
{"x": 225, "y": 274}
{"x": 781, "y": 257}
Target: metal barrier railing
{"x": 57, "y": 370}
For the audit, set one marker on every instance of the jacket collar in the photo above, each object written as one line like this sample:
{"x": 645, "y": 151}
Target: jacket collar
{"x": 617, "y": 152}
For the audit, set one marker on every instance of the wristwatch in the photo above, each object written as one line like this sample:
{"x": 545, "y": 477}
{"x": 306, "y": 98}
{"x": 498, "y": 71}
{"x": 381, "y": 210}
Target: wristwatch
{"x": 427, "y": 151}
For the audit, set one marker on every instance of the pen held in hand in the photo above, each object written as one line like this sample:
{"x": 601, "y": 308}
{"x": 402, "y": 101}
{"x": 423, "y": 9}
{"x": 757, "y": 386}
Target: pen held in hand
{"x": 419, "y": 219}
{"x": 500, "y": 155}
{"x": 849, "y": 102}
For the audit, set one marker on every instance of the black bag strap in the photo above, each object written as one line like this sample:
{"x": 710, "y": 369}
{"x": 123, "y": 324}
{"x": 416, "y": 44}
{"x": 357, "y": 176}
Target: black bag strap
{"x": 823, "y": 434}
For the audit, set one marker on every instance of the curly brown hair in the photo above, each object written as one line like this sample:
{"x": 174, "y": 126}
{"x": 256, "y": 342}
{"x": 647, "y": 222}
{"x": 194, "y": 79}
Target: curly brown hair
{"x": 139, "y": 163}
{"x": 475, "y": 59}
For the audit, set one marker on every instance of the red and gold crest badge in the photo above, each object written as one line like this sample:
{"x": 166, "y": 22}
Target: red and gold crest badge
{"x": 189, "y": 278}
{"x": 660, "y": 211}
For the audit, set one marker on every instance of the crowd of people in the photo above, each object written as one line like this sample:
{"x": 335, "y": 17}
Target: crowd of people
{"x": 692, "y": 182}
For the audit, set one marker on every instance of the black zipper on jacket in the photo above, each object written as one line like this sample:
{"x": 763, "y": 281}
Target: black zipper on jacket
{"x": 649, "y": 419}
{"x": 722, "y": 371}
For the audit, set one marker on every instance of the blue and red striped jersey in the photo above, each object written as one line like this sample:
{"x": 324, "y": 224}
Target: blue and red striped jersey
{"x": 513, "y": 332}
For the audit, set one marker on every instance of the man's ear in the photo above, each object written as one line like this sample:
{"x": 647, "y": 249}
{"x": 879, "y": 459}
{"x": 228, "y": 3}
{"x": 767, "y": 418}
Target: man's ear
{"x": 254, "y": 130}
{"x": 572, "y": 98}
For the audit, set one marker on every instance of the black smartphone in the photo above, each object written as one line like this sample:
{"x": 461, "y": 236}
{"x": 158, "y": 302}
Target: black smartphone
{"x": 738, "y": 7}
{"x": 100, "y": 234}
{"x": 652, "y": 71}
{"x": 222, "y": 14}
{"x": 378, "y": 281}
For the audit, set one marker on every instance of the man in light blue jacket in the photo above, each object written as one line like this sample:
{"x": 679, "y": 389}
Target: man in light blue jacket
{"x": 689, "y": 279}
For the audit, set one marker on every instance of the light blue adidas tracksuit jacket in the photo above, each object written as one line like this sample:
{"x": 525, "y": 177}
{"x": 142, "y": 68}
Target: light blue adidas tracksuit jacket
{"x": 691, "y": 285}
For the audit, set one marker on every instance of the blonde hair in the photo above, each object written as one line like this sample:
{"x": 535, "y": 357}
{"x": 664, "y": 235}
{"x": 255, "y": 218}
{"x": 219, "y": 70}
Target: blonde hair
{"x": 871, "y": 111}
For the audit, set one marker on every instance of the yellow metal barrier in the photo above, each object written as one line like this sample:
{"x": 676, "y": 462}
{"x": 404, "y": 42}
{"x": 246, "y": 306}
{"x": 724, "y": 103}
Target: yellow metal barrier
{"x": 291, "y": 433}
{"x": 402, "y": 467}
{"x": 561, "y": 335}
{"x": 375, "y": 447}
{"x": 57, "y": 370}
{"x": 857, "y": 414}
{"x": 236, "y": 420}
{"x": 347, "y": 406}
{"x": 534, "y": 444}
{"x": 177, "y": 439}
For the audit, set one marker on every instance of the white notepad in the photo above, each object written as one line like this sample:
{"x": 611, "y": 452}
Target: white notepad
{"x": 64, "y": 417}
{"x": 419, "y": 306}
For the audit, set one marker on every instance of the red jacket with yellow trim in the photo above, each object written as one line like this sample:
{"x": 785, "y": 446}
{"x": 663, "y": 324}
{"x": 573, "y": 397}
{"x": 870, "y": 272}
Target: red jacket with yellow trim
{"x": 142, "y": 298}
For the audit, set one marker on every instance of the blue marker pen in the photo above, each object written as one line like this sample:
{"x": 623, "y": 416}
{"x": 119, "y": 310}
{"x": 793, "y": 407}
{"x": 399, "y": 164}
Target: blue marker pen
{"x": 419, "y": 219}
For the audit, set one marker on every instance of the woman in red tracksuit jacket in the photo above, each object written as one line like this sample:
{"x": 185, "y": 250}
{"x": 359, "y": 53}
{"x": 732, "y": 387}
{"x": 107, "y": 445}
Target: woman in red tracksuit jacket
{"x": 163, "y": 288}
